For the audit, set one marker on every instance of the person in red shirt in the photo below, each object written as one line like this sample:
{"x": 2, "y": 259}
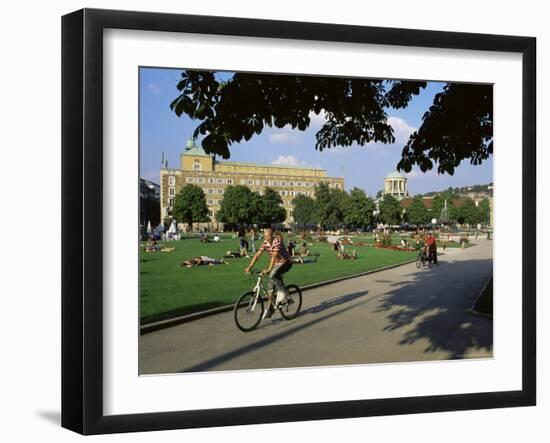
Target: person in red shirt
{"x": 432, "y": 248}
{"x": 280, "y": 263}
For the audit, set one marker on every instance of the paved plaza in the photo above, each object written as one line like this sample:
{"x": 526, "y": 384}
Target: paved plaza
{"x": 397, "y": 315}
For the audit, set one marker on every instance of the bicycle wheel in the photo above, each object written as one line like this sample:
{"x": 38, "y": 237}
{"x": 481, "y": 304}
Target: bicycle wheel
{"x": 293, "y": 302}
{"x": 419, "y": 261}
{"x": 248, "y": 312}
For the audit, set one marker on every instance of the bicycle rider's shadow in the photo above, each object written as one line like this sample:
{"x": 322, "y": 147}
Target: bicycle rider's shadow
{"x": 323, "y": 306}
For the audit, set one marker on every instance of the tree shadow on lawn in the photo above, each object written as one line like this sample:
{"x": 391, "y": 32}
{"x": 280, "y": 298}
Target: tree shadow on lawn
{"x": 434, "y": 305}
{"x": 321, "y": 307}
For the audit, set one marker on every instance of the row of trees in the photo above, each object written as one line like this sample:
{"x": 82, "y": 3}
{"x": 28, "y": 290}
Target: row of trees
{"x": 240, "y": 205}
{"x": 330, "y": 208}
{"x": 334, "y": 207}
{"x": 467, "y": 213}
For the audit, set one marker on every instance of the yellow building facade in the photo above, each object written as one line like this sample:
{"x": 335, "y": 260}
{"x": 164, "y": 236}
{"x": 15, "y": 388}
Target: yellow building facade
{"x": 213, "y": 176}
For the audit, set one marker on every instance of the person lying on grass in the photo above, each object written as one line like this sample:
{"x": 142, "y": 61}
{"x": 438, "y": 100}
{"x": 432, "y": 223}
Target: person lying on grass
{"x": 232, "y": 254}
{"x": 303, "y": 261}
{"x": 200, "y": 261}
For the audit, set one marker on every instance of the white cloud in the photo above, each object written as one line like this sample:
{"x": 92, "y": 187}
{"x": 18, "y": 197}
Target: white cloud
{"x": 286, "y": 135}
{"x": 417, "y": 173}
{"x": 317, "y": 120}
{"x": 290, "y": 160}
{"x": 401, "y": 129}
{"x": 283, "y": 136}
{"x": 155, "y": 88}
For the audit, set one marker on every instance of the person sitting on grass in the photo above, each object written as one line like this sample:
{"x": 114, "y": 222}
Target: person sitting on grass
{"x": 152, "y": 246}
{"x": 345, "y": 256}
{"x": 200, "y": 261}
{"x": 304, "y": 251}
{"x": 291, "y": 247}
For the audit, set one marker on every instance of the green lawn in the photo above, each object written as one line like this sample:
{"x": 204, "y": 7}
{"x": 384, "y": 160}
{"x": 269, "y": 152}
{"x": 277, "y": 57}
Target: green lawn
{"x": 168, "y": 290}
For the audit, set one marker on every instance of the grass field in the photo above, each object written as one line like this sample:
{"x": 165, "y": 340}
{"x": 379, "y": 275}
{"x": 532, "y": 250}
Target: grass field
{"x": 168, "y": 290}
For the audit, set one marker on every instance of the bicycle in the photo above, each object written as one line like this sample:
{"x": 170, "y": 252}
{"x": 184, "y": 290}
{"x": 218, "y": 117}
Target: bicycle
{"x": 420, "y": 259}
{"x": 249, "y": 307}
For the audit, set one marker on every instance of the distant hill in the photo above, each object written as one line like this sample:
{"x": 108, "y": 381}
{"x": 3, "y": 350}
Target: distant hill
{"x": 487, "y": 190}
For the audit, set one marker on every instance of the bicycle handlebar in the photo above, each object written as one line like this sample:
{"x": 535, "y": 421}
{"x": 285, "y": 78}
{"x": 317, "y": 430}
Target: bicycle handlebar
{"x": 256, "y": 272}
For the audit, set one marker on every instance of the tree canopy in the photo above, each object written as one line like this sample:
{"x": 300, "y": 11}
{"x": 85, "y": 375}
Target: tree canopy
{"x": 484, "y": 209}
{"x": 303, "y": 210}
{"x": 468, "y": 212}
{"x": 417, "y": 214}
{"x": 457, "y": 126}
{"x": 329, "y": 205}
{"x": 190, "y": 205}
{"x": 239, "y": 205}
{"x": 272, "y": 210}
{"x": 390, "y": 210}
{"x": 358, "y": 209}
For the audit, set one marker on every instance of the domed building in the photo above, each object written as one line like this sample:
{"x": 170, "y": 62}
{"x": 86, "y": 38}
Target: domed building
{"x": 395, "y": 184}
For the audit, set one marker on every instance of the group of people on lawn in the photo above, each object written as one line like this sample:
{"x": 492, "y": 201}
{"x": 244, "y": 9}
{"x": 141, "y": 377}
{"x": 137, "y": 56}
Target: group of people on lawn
{"x": 299, "y": 254}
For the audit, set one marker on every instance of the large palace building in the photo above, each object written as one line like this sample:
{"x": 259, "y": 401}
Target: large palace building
{"x": 213, "y": 176}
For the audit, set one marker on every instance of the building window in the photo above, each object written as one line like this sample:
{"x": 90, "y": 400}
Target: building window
{"x": 190, "y": 179}
{"x": 220, "y": 191}
{"x": 337, "y": 185}
{"x": 171, "y": 192}
{"x": 291, "y": 184}
{"x": 210, "y": 201}
{"x": 299, "y": 184}
{"x": 171, "y": 181}
{"x": 220, "y": 180}
{"x": 275, "y": 183}
{"x": 210, "y": 180}
{"x": 201, "y": 180}
{"x": 266, "y": 182}
{"x": 283, "y": 192}
{"x": 229, "y": 181}
{"x": 210, "y": 191}
{"x": 250, "y": 182}
{"x": 171, "y": 202}
{"x": 283, "y": 183}
{"x": 196, "y": 165}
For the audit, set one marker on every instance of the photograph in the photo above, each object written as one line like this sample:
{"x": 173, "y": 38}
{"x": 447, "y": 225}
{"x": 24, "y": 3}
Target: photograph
{"x": 304, "y": 221}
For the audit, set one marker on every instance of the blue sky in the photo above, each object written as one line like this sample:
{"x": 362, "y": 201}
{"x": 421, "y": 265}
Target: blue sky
{"x": 365, "y": 167}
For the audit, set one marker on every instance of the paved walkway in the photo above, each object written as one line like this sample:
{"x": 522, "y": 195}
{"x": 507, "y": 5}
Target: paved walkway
{"x": 401, "y": 314}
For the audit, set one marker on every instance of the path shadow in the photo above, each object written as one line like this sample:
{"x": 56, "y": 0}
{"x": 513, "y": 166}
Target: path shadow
{"x": 321, "y": 307}
{"x": 433, "y": 305}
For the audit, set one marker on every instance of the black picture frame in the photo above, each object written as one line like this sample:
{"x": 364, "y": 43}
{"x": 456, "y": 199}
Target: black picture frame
{"x": 82, "y": 230}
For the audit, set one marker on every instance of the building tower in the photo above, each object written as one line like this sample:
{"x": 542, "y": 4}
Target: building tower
{"x": 395, "y": 184}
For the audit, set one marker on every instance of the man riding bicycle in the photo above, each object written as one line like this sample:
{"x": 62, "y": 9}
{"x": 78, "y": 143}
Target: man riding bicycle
{"x": 280, "y": 263}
